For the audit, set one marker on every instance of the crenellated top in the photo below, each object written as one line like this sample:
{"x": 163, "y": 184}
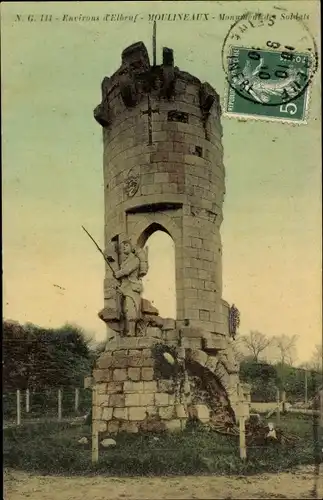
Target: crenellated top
{"x": 136, "y": 78}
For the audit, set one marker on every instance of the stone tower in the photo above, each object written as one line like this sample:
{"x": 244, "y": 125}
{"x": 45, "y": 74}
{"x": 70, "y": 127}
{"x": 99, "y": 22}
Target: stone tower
{"x": 163, "y": 170}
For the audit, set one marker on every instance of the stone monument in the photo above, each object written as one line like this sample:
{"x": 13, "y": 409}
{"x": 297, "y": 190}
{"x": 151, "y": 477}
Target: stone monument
{"x": 163, "y": 170}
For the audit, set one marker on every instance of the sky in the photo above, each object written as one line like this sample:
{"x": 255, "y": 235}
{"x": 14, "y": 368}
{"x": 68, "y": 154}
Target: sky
{"x": 53, "y": 176}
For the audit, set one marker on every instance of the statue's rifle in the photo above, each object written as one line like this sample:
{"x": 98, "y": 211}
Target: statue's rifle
{"x": 101, "y": 251}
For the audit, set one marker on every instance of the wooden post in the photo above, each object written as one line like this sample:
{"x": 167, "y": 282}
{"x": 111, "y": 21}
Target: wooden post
{"x": 59, "y": 404}
{"x": 154, "y": 43}
{"x": 95, "y": 433}
{"x": 278, "y": 406}
{"x": 77, "y": 399}
{"x": 306, "y": 393}
{"x": 27, "y": 401}
{"x": 321, "y": 407}
{"x": 242, "y": 438}
{"x": 283, "y": 401}
{"x": 18, "y": 408}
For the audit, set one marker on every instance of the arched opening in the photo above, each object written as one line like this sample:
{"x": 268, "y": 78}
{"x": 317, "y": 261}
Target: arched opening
{"x": 160, "y": 281}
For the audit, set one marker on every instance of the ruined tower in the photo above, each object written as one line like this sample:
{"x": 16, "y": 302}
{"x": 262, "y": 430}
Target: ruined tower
{"x": 163, "y": 170}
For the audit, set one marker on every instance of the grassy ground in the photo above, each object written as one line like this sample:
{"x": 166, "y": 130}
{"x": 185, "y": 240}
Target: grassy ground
{"x": 52, "y": 448}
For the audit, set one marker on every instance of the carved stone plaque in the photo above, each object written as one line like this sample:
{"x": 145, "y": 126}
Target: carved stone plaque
{"x": 132, "y": 183}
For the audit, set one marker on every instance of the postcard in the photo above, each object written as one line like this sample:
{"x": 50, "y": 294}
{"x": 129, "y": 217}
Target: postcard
{"x": 162, "y": 329}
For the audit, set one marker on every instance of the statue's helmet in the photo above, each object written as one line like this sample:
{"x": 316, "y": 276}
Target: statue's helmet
{"x": 125, "y": 239}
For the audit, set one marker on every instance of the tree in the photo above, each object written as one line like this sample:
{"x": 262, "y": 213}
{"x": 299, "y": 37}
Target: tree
{"x": 15, "y": 355}
{"x": 286, "y": 347}
{"x": 237, "y": 349}
{"x": 65, "y": 359}
{"x": 39, "y": 358}
{"x": 255, "y": 343}
{"x": 262, "y": 377}
{"x": 316, "y": 359}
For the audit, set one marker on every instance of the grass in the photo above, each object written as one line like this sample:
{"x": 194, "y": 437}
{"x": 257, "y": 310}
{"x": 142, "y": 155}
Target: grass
{"x": 52, "y": 448}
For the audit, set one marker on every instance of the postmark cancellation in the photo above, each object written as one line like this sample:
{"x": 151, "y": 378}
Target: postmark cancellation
{"x": 269, "y": 67}
{"x": 268, "y": 85}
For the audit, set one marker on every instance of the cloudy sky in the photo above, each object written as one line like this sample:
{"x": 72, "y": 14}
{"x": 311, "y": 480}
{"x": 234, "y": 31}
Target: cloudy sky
{"x": 53, "y": 179}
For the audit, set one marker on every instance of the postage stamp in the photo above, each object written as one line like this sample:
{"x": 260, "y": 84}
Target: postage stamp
{"x": 259, "y": 92}
{"x": 269, "y": 66}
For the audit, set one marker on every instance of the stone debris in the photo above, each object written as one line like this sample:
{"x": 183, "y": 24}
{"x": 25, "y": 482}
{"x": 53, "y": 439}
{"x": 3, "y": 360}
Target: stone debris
{"x": 272, "y": 433}
{"x": 169, "y": 358}
{"x": 261, "y": 434}
{"x": 106, "y": 443}
{"x": 83, "y": 440}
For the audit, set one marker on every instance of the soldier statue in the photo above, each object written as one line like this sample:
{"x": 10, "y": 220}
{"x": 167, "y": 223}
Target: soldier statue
{"x": 132, "y": 268}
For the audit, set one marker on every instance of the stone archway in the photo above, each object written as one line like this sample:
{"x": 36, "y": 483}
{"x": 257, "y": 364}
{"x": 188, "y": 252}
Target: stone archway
{"x": 149, "y": 231}
{"x": 143, "y": 226}
{"x": 160, "y": 281}
{"x": 146, "y": 224}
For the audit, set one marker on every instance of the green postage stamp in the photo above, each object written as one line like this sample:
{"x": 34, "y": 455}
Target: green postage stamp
{"x": 268, "y": 85}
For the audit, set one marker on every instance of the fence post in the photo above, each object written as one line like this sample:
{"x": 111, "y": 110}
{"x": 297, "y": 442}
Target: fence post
{"x": 27, "y": 401}
{"x": 95, "y": 433}
{"x": 284, "y": 401}
{"x": 242, "y": 438}
{"x": 306, "y": 398}
{"x": 77, "y": 399}
{"x": 59, "y": 404}
{"x": 321, "y": 407}
{"x": 18, "y": 408}
{"x": 278, "y": 406}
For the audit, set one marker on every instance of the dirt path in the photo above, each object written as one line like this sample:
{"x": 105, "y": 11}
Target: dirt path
{"x": 19, "y": 486}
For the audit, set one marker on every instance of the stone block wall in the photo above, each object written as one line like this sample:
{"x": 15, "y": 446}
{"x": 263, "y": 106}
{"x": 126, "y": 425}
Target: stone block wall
{"x": 129, "y": 398}
{"x": 164, "y": 170}
{"x": 137, "y": 390}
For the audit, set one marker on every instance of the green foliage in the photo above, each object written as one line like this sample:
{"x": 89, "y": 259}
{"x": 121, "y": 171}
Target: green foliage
{"x": 54, "y": 449}
{"x": 262, "y": 377}
{"x": 292, "y": 380}
{"x": 250, "y": 369}
{"x": 16, "y": 355}
{"x": 36, "y": 358}
{"x": 265, "y": 378}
